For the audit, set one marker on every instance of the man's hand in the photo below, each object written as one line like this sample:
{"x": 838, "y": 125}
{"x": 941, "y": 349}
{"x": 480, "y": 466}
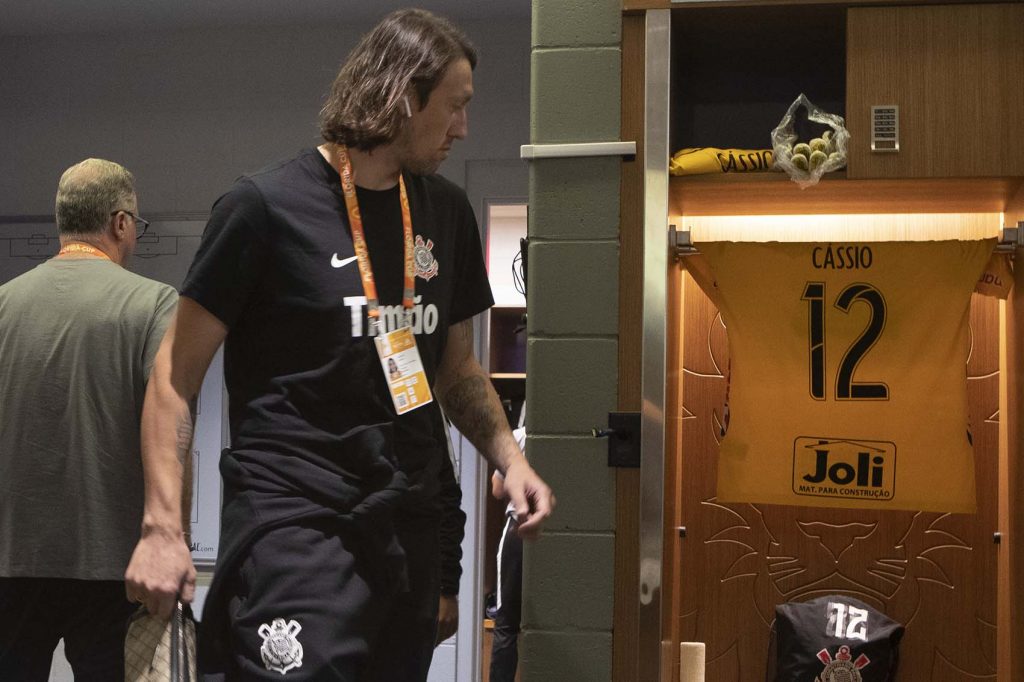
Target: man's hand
{"x": 530, "y": 496}
{"x": 469, "y": 400}
{"x": 447, "y": 617}
{"x": 160, "y": 570}
{"x": 161, "y": 566}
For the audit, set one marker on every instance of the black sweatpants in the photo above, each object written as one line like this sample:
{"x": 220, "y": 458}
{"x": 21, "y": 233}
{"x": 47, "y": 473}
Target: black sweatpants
{"x": 404, "y": 646}
{"x": 91, "y": 616}
{"x": 316, "y": 602}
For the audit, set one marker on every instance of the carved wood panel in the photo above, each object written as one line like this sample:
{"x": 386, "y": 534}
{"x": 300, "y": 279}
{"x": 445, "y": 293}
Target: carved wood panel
{"x": 935, "y": 573}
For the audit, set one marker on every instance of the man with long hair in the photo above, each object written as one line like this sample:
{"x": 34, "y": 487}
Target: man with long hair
{"x": 315, "y": 272}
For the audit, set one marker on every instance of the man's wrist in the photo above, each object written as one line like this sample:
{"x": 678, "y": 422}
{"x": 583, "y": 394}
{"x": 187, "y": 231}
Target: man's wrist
{"x": 166, "y": 530}
{"x": 518, "y": 458}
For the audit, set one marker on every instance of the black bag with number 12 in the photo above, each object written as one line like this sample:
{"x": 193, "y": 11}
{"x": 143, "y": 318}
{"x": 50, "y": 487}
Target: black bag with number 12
{"x": 834, "y": 638}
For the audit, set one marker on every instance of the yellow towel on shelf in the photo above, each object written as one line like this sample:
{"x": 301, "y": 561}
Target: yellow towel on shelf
{"x": 700, "y": 160}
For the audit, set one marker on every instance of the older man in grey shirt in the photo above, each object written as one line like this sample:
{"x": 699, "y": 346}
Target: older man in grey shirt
{"x": 78, "y": 334}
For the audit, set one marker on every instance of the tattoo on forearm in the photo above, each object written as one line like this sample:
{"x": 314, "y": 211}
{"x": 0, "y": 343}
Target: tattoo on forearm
{"x": 465, "y": 331}
{"x": 467, "y": 403}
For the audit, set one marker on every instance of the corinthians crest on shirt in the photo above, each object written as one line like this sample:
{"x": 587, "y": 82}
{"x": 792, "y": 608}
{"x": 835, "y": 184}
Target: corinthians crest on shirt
{"x": 281, "y": 650}
{"x": 423, "y": 256}
{"x": 841, "y": 668}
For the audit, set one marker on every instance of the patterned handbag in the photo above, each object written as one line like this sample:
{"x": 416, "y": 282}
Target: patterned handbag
{"x": 158, "y": 651}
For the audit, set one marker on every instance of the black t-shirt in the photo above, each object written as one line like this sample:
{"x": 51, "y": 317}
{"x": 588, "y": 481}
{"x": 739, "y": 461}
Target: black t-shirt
{"x": 276, "y": 264}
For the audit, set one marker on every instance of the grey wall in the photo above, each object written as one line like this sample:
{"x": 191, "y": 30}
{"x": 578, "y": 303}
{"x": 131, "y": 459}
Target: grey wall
{"x": 187, "y": 111}
{"x": 573, "y": 338}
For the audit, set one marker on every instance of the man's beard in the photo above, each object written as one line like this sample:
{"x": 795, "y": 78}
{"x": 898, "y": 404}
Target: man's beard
{"x": 420, "y": 166}
{"x": 411, "y": 162}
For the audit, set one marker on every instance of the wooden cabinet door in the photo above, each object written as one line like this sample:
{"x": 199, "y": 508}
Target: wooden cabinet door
{"x": 935, "y": 573}
{"x": 955, "y": 72}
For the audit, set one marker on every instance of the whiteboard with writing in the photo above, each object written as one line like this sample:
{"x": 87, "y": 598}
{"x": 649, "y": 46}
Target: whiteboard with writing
{"x": 206, "y": 447}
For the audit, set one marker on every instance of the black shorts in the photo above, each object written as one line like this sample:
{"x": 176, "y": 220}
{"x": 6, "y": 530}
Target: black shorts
{"x": 320, "y": 602}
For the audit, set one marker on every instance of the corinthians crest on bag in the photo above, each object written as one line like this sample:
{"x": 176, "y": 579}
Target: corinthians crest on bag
{"x": 833, "y": 639}
{"x": 841, "y": 668}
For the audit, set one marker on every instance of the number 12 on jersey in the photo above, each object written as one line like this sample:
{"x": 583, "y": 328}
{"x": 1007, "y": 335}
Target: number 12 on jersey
{"x": 845, "y": 387}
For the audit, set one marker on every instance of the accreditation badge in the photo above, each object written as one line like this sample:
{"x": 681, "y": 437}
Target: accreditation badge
{"x": 403, "y": 370}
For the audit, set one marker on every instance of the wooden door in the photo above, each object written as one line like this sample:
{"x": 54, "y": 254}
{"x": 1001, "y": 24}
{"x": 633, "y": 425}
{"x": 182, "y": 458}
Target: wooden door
{"x": 935, "y": 573}
{"x": 954, "y": 71}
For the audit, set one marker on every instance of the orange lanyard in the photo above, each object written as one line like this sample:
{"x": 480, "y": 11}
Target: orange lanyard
{"x": 355, "y": 221}
{"x": 76, "y": 247}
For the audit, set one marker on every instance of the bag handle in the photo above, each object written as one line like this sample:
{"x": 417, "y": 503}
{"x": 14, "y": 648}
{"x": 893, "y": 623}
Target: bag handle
{"x": 179, "y": 651}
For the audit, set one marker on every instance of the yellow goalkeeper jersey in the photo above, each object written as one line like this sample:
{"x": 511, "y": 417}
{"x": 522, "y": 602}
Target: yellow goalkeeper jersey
{"x": 847, "y": 383}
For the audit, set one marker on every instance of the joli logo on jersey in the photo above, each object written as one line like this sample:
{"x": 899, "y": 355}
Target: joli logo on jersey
{"x": 834, "y": 467}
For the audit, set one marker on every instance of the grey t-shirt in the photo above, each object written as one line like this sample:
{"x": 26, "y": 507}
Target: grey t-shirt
{"x": 77, "y": 341}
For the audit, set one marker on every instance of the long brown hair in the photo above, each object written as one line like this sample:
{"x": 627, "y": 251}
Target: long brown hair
{"x": 410, "y": 47}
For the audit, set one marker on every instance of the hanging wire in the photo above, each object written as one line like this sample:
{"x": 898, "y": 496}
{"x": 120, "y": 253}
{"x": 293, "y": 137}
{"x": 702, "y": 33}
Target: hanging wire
{"x": 519, "y": 267}
{"x": 519, "y": 278}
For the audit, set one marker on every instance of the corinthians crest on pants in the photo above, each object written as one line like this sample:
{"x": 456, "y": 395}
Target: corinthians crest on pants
{"x": 426, "y": 264}
{"x": 281, "y": 650}
{"x": 842, "y": 669}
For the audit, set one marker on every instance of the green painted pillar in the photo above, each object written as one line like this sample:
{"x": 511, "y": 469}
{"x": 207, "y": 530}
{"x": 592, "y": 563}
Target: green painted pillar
{"x": 572, "y": 339}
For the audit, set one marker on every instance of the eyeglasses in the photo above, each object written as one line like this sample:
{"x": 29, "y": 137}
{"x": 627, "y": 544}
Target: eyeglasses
{"x": 139, "y": 223}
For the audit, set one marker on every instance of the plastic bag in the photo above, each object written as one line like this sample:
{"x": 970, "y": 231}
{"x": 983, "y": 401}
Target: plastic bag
{"x": 805, "y": 170}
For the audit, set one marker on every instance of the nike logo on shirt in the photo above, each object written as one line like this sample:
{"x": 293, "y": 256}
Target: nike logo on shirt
{"x": 340, "y": 263}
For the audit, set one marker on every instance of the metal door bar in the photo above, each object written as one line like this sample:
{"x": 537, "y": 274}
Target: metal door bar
{"x": 657, "y": 57}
